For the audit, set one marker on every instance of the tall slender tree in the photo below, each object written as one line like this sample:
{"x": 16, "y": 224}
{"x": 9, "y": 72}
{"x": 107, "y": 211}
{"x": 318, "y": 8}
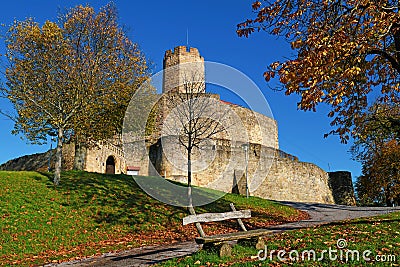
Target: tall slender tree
{"x": 193, "y": 118}
{"x": 73, "y": 78}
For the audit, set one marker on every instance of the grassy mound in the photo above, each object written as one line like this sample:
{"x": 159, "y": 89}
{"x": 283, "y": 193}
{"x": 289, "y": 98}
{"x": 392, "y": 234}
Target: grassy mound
{"x": 89, "y": 214}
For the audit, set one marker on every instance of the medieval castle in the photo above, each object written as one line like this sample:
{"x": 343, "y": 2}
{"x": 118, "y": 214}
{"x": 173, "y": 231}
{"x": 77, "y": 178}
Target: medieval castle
{"x": 271, "y": 173}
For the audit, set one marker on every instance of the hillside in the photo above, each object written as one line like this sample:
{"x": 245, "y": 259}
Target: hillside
{"x": 95, "y": 213}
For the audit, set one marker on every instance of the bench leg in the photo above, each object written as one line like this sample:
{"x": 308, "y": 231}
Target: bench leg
{"x": 224, "y": 248}
{"x": 260, "y": 243}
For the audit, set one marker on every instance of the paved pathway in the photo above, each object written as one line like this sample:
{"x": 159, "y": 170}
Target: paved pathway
{"x": 328, "y": 213}
{"x": 145, "y": 256}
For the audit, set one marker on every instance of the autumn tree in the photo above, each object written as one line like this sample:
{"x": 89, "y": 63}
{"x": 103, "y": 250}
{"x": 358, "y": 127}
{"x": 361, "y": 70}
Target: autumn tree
{"x": 380, "y": 179}
{"x": 73, "y": 78}
{"x": 347, "y": 54}
{"x": 377, "y": 147}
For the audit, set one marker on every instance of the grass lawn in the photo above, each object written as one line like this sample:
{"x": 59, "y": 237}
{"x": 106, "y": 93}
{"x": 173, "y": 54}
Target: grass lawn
{"x": 379, "y": 235}
{"x": 90, "y": 214}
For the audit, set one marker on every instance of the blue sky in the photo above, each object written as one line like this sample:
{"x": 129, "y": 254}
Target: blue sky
{"x": 160, "y": 25}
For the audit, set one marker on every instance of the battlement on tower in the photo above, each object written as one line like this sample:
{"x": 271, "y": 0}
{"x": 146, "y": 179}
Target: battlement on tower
{"x": 181, "y": 54}
{"x": 183, "y": 65}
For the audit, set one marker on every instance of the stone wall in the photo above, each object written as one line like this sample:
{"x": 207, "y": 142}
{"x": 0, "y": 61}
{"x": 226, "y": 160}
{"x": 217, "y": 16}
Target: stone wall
{"x": 137, "y": 155}
{"x": 34, "y": 162}
{"x": 293, "y": 180}
{"x": 241, "y": 124}
{"x": 96, "y": 157}
{"x": 271, "y": 173}
{"x": 260, "y": 129}
{"x": 68, "y": 153}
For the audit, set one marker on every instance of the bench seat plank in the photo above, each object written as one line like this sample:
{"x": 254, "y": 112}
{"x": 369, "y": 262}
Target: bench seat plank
{"x": 232, "y": 236}
{"x": 215, "y": 217}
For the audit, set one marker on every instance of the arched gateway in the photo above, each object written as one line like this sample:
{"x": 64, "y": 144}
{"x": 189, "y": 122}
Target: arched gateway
{"x": 110, "y": 165}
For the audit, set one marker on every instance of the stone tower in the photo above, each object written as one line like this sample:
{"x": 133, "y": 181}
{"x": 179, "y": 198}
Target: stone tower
{"x": 181, "y": 66}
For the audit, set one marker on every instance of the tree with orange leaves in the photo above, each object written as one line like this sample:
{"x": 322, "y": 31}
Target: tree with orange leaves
{"x": 348, "y": 54}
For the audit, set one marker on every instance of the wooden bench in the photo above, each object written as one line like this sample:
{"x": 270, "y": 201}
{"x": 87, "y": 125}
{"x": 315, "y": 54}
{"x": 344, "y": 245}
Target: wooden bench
{"x": 221, "y": 241}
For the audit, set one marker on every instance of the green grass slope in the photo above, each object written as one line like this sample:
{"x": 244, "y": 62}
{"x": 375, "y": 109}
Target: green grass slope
{"x": 89, "y": 214}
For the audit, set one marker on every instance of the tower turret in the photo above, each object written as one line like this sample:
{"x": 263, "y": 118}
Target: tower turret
{"x": 183, "y": 65}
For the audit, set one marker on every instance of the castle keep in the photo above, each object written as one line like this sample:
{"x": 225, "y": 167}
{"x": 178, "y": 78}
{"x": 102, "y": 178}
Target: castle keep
{"x": 176, "y": 69}
{"x": 221, "y": 163}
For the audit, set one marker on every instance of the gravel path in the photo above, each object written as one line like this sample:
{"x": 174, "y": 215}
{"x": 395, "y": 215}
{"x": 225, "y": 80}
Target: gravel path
{"x": 145, "y": 256}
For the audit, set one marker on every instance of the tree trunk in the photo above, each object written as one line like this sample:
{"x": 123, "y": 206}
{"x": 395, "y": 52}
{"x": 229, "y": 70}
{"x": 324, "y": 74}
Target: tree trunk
{"x": 80, "y": 156}
{"x": 388, "y": 199}
{"x": 190, "y": 178}
{"x": 58, "y": 165}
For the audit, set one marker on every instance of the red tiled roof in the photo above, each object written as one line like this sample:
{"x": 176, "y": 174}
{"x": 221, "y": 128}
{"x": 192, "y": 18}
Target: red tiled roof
{"x": 229, "y": 103}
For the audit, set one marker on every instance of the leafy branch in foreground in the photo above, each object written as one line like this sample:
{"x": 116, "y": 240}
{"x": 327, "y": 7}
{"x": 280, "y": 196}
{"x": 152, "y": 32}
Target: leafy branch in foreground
{"x": 347, "y": 54}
